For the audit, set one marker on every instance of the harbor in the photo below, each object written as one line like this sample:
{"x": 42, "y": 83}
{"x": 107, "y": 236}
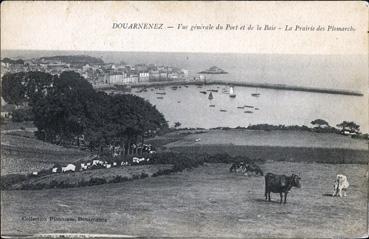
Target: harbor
{"x": 210, "y": 82}
{"x": 250, "y": 105}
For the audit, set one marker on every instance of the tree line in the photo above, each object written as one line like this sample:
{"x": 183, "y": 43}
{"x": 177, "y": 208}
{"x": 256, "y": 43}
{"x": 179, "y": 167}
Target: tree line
{"x": 68, "y": 111}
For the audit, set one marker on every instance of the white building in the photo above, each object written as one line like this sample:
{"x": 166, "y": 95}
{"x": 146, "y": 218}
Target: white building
{"x": 144, "y": 77}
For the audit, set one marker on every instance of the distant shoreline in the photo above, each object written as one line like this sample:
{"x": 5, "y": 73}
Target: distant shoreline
{"x": 235, "y": 83}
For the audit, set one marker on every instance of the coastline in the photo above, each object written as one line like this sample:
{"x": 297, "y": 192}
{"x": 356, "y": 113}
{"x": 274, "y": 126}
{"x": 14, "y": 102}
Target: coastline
{"x": 233, "y": 83}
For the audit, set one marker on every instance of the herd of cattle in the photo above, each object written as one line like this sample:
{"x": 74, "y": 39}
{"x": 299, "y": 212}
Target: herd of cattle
{"x": 92, "y": 164}
{"x": 274, "y": 183}
{"x": 282, "y": 184}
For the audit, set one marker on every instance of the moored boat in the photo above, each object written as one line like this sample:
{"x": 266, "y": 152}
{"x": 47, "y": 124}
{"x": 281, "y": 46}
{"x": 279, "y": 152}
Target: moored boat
{"x": 231, "y": 92}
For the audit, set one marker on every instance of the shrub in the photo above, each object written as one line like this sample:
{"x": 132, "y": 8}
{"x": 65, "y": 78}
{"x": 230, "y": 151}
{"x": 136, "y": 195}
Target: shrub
{"x": 144, "y": 175}
{"x": 163, "y": 172}
{"x": 360, "y": 136}
{"x": 96, "y": 181}
{"x": 118, "y": 179}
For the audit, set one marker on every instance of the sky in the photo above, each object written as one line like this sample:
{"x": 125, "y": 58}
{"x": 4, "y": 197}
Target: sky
{"x": 87, "y": 26}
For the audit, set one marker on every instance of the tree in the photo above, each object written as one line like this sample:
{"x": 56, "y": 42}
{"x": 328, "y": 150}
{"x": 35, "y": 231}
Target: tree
{"x": 132, "y": 117}
{"x": 177, "y": 124}
{"x": 25, "y": 87}
{"x": 38, "y": 84}
{"x": 13, "y": 88}
{"x": 62, "y": 114}
{"x": 20, "y": 115}
{"x": 349, "y": 126}
{"x": 320, "y": 123}
{"x": 72, "y": 109}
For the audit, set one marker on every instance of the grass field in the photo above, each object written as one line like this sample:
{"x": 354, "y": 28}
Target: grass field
{"x": 204, "y": 202}
{"x": 23, "y": 155}
{"x": 275, "y": 138}
{"x": 277, "y": 145}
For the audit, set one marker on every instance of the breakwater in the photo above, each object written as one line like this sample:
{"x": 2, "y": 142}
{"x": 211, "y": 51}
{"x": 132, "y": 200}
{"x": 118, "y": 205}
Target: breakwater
{"x": 238, "y": 83}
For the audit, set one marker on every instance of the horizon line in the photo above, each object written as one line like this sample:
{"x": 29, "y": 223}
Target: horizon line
{"x": 184, "y": 52}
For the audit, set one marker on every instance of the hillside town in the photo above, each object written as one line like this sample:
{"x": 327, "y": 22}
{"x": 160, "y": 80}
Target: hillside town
{"x": 95, "y": 70}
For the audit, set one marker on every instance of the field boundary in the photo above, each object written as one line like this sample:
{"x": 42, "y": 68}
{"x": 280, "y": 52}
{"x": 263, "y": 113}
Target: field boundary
{"x": 279, "y": 153}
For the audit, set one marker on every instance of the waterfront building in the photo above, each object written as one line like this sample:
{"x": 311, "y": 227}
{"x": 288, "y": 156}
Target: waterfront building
{"x": 173, "y": 76}
{"x": 143, "y": 77}
{"x": 154, "y": 75}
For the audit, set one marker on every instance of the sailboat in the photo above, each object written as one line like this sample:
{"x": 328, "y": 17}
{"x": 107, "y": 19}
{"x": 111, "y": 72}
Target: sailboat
{"x": 231, "y": 92}
{"x": 211, "y": 96}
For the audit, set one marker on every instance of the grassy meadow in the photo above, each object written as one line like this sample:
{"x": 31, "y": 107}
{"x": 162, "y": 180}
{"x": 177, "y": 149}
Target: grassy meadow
{"x": 207, "y": 201}
{"x": 204, "y": 202}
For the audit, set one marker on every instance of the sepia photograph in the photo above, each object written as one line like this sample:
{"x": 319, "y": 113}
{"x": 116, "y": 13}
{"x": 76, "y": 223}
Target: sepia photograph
{"x": 197, "y": 119}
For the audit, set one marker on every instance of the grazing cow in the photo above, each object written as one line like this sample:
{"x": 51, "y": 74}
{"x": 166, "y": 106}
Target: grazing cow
{"x": 83, "y": 167}
{"x": 252, "y": 167}
{"x": 236, "y": 167}
{"x": 69, "y": 167}
{"x": 280, "y": 184}
{"x": 54, "y": 170}
{"x": 341, "y": 185}
{"x": 137, "y": 160}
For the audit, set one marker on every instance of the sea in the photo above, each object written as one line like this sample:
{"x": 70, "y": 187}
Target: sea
{"x": 192, "y": 108}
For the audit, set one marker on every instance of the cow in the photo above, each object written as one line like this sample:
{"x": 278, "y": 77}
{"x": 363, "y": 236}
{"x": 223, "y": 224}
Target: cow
{"x": 280, "y": 184}
{"x": 341, "y": 185}
{"x": 68, "y": 168}
{"x": 96, "y": 162}
{"x": 252, "y": 167}
{"x": 83, "y": 166}
{"x": 236, "y": 167}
